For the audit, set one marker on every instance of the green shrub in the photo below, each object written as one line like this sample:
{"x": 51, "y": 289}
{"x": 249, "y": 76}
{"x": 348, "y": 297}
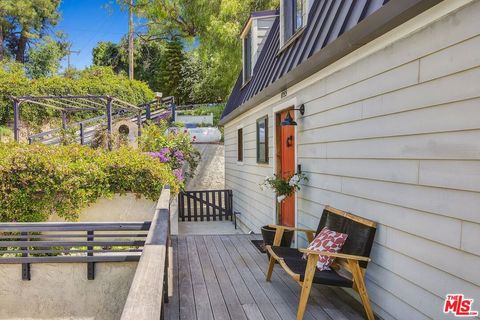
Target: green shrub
{"x": 94, "y": 80}
{"x": 38, "y": 181}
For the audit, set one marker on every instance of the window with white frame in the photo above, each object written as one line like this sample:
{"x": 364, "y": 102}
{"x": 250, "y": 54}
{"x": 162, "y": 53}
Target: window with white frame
{"x": 247, "y": 57}
{"x": 240, "y": 144}
{"x": 293, "y": 15}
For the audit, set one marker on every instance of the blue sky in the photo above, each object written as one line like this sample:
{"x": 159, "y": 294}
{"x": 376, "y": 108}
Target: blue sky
{"x": 86, "y": 22}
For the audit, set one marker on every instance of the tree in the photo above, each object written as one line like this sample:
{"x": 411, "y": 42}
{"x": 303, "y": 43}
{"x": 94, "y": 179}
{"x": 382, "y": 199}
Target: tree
{"x": 25, "y": 21}
{"x": 172, "y": 67}
{"x": 108, "y": 54}
{"x": 148, "y": 56}
{"x": 215, "y": 24}
{"x": 44, "y": 58}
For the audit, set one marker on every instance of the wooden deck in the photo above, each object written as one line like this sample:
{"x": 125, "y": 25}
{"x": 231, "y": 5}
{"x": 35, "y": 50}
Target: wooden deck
{"x": 222, "y": 277}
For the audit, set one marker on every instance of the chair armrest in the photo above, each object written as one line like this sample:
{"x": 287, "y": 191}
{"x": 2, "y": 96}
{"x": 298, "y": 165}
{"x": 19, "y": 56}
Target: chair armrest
{"x": 280, "y": 229}
{"x": 291, "y": 228}
{"x": 335, "y": 255}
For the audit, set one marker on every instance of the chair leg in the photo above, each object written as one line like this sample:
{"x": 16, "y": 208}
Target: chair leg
{"x": 361, "y": 288}
{"x": 271, "y": 264}
{"x": 307, "y": 285}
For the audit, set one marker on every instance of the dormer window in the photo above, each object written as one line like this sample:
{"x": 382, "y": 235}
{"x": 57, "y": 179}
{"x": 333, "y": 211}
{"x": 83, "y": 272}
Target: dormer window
{"x": 247, "y": 57}
{"x": 293, "y": 18}
{"x": 253, "y": 35}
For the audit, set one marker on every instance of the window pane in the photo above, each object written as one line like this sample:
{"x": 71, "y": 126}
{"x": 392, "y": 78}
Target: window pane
{"x": 247, "y": 54}
{"x": 262, "y": 140}
{"x": 240, "y": 145}
{"x": 298, "y": 14}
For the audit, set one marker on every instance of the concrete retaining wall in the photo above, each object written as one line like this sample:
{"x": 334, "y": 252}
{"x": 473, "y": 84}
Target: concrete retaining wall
{"x": 120, "y": 208}
{"x": 62, "y": 291}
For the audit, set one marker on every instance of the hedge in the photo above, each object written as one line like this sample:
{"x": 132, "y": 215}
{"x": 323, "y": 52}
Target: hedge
{"x": 38, "y": 181}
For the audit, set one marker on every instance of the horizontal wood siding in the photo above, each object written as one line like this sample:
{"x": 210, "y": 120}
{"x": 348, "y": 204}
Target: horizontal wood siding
{"x": 393, "y": 137}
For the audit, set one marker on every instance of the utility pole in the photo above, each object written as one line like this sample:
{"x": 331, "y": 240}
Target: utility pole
{"x": 130, "y": 40}
{"x": 69, "y": 52}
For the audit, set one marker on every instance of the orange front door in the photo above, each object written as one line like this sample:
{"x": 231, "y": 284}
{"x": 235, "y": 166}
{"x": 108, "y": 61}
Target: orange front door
{"x": 287, "y": 168}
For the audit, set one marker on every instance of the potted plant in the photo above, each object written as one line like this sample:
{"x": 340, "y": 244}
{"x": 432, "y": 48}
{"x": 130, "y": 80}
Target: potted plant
{"x": 283, "y": 188}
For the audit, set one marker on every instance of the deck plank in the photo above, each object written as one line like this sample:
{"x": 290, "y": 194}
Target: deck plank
{"x": 215, "y": 295}
{"x": 283, "y": 283}
{"x": 185, "y": 288}
{"x": 232, "y": 302}
{"x": 326, "y": 297}
{"x": 261, "y": 299}
{"x": 286, "y": 308}
{"x": 202, "y": 303}
{"x": 223, "y": 277}
{"x": 172, "y": 310}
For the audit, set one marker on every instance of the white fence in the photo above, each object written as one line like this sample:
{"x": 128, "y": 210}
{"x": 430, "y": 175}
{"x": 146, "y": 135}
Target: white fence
{"x": 206, "y": 119}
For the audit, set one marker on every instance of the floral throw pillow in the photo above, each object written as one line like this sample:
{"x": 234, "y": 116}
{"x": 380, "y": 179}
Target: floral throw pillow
{"x": 327, "y": 240}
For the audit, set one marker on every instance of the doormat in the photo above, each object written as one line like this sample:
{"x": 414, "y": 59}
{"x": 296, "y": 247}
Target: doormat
{"x": 260, "y": 245}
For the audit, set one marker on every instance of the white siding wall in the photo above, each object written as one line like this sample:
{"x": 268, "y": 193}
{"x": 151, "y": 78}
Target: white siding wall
{"x": 393, "y": 137}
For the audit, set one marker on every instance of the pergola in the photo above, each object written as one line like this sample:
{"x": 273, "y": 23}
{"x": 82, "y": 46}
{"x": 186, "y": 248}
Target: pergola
{"x": 76, "y": 103}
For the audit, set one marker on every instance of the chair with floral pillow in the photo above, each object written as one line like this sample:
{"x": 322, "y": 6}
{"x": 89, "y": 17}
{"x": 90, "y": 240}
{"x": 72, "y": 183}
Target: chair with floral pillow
{"x": 337, "y": 256}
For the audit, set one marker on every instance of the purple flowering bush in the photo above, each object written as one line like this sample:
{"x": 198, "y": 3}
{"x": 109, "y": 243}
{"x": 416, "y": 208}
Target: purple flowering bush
{"x": 174, "y": 148}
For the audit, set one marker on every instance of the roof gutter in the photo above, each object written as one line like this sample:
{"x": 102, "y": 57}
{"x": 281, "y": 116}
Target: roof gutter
{"x": 388, "y": 17}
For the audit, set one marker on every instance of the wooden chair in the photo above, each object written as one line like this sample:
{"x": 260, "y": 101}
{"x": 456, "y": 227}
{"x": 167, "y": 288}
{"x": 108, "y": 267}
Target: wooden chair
{"x": 348, "y": 269}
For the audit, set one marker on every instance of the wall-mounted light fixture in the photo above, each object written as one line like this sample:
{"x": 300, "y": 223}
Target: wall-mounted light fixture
{"x": 288, "y": 121}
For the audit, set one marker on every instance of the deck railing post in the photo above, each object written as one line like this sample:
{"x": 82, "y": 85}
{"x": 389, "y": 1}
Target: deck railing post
{"x": 82, "y": 133}
{"x": 173, "y": 109}
{"x": 148, "y": 112}
{"x": 26, "y": 275}
{"x": 90, "y": 265}
{"x": 230, "y": 204}
{"x": 139, "y": 123}
{"x": 16, "y": 120}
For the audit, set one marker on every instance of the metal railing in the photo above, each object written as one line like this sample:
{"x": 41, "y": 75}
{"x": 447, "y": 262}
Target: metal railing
{"x": 149, "y": 289}
{"x": 57, "y": 242}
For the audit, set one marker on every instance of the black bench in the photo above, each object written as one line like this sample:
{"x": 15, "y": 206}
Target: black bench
{"x": 348, "y": 269}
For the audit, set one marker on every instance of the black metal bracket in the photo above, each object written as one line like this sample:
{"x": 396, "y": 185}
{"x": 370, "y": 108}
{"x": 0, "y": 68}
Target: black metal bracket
{"x": 26, "y": 274}
{"x": 90, "y": 265}
{"x": 301, "y": 109}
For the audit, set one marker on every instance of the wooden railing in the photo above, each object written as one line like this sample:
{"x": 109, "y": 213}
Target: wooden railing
{"x": 205, "y": 205}
{"x": 149, "y": 288}
{"x": 88, "y": 242}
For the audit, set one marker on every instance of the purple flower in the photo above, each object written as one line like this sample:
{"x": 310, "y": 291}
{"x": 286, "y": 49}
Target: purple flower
{"x": 179, "y": 156}
{"x": 178, "y": 174}
{"x": 159, "y": 155}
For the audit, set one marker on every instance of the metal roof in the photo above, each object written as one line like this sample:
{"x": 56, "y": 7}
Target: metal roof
{"x": 334, "y": 28}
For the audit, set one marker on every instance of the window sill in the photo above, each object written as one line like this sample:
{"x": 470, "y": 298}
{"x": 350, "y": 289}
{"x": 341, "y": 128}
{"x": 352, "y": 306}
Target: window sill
{"x": 291, "y": 40}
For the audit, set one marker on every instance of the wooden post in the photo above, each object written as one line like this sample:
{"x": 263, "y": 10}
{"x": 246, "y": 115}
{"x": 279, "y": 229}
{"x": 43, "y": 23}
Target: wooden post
{"x": 16, "y": 120}
{"x": 109, "y": 122}
{"x": 148, "y": 113}
{"x": 82, "y": 134}
{"x": 139, "y": 123}
{"x": 64, "y": 120}
{"x": 173, "y": 108}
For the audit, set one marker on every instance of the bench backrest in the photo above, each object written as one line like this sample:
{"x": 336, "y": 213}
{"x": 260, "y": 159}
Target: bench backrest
{"x": 360, "y": 231}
